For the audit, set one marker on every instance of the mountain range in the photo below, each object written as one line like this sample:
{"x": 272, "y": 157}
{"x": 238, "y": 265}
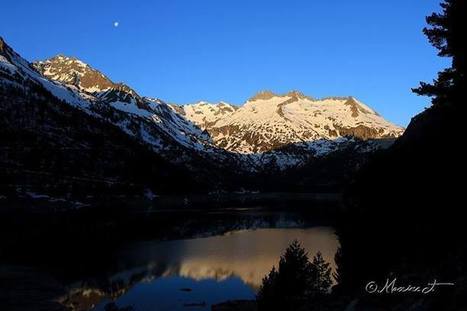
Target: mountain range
{"x": 269, "y": 121}
{"x": 269, "y": 132}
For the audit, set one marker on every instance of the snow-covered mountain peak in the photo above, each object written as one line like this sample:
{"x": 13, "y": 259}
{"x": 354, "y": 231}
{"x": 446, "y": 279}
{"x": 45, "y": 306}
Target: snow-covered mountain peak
{"x": 269, "y": 95}
{"x": 71, "y": 70}
{"x": 70, "y": 60}
{"x": 152, "y": 122}
{"x": 262, "y": 95}
{"x": 74, "y": 72}
{"x": 204, "y": 114}
{"x": 204, "y": 103}
{"x": 268, "y": 121}
{"x": 297, "y": 94}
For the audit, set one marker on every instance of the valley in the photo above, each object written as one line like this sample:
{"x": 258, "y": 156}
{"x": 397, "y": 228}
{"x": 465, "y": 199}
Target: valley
{"x": 217, "y": 147}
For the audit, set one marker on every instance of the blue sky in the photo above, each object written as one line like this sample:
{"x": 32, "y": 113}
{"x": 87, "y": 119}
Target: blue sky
{"x": 186, "y": 50}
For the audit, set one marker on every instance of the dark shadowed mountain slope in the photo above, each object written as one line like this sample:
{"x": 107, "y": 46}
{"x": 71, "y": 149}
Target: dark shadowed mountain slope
{"x": 406, "y": 216}
{"x": 48, "y": 146}
{"x": 51, "y": 144}
{"x": 407, "y": 206}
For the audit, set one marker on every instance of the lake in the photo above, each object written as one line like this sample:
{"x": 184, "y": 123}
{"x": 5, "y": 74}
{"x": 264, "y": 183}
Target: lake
{"x": 166, "y": 260}
{"x": 196, "y": 273}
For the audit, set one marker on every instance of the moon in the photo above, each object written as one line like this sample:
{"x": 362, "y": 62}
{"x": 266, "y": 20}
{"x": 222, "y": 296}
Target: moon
{"x": 116, "y": 24}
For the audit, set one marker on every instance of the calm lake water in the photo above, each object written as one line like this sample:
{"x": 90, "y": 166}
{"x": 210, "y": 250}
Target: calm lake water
{"x": 193, "y": 274}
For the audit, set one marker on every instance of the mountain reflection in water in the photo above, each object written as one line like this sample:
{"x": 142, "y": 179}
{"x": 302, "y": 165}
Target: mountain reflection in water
{"x": 247, "y": 254}
{"x": 177, "y": 274}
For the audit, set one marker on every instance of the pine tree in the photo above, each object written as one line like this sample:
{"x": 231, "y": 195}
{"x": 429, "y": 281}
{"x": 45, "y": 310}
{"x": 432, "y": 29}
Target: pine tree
{"x": 268, "y": 292}
{"x": 446, "y": 33}
{"x": 296, "y": 282}
{"x": 321, "y": 282}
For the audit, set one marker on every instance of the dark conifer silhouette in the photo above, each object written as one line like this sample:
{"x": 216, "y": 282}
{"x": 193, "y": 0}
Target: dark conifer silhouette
{"x": 446, "y": 33}
{"x": 321, "y": 280}
{"x": 296, "y": 282}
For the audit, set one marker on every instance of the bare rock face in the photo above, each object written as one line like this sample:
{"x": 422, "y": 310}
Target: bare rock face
{"x": 263, "y": 95}
{"x": 1, "y": 44}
